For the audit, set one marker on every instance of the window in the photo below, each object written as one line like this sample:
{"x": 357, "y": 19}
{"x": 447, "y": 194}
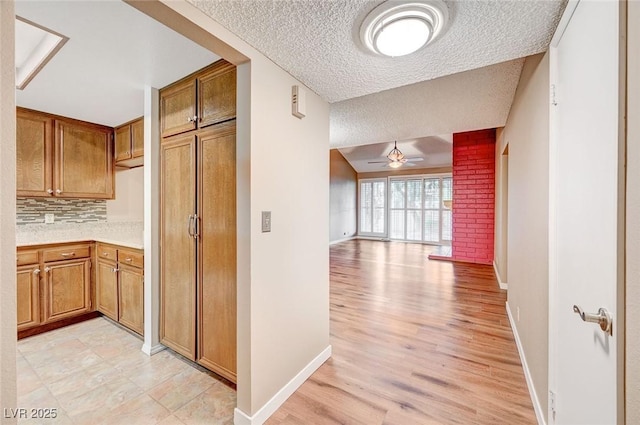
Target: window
{"x": 416, "y": 208}
{"x": 373, "y": 206}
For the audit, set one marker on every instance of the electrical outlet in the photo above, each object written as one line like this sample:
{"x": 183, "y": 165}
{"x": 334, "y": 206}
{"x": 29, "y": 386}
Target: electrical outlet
{"x": 266, "y": 221}
{"x": 49, "y": 218}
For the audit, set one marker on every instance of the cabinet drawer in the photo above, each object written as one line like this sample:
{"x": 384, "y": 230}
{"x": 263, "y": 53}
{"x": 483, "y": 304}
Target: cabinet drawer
{"x": 106, "y": 252}
{"x": 131, "y": 258}
{"x": 27, "y": 257}
{"x": 66, "y": 253}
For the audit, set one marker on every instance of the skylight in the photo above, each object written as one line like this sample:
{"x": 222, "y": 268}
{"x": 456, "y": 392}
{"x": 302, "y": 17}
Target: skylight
{"x": 35, "y": 46}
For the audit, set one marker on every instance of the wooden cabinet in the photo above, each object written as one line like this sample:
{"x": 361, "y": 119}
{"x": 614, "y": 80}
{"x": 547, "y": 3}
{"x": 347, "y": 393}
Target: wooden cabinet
{"x": 67, "y": 289}
{"x": 54, "y": 282}
{"x": 120, "y": 285}
{"x": 28, "y": 290}
{"x": 198, "y": 223}
{"x": 202, "y": 99}
{"x": 61, "y": 157}
{"x": 34, "y": 154}
{"x": 129, "y": 144}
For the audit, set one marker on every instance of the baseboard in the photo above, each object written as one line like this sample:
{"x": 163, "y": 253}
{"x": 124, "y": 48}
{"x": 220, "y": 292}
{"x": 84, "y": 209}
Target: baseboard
{"x": 372, "y": 238}
{"x": 503, "y": 285}
{"x": 150, "y": 351}
{"x": 342, "y": 240}
{"x": 527, "y": 373}
{"x": 260, "y": 417}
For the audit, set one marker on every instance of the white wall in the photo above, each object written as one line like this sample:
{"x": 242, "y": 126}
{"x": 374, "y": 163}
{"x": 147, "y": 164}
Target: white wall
{"x": 7, "y": 212}
{"x": 502, "y": 201}
{"x": 283, "y": 276}
{"x": 527, "y": 134}
{"x": 129, "y": 202}
{"x": 632, "y": 324}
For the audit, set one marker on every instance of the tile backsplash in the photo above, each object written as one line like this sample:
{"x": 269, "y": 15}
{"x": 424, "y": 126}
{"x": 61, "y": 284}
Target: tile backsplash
{"x": 32, "y": 211}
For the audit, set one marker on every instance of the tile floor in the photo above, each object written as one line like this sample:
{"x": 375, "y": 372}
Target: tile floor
{"x": 94, "y": 373}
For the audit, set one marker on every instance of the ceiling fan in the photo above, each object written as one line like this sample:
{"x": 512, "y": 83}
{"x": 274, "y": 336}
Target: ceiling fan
{"x": 396, "y": 159}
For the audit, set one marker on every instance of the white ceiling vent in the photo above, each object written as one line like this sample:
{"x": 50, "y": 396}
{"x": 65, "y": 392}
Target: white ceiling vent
{"x": 35, "y": 46}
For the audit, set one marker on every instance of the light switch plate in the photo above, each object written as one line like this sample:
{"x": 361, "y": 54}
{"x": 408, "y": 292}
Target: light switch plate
{"x": 266, "y": 221}
{"x": 49, "y": 218}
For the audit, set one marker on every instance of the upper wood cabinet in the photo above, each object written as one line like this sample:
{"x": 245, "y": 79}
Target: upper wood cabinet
{"x": 62, "y": 157}
{"x": 129, "y": 144}
{"x": 202, "y": 99}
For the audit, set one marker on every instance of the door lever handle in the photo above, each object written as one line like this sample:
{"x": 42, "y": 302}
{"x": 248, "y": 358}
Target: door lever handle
{"x": 603, "y": 318}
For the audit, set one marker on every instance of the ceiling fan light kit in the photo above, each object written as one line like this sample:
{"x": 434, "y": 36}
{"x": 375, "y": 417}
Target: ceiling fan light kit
{"x": 400, "y": 28}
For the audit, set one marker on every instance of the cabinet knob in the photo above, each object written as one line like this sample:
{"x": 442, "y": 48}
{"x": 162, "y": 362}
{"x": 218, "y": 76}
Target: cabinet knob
{"x": 58, "y": 191}
{"x": 50, "y": 191}
{"x": 127, "y": 260}
{"x": 192, "y": 119}
{"x": 105, "y": 254}
{"x": 67, "y": 254}
{"x": 115, "y": 270}
{"x": 36, "y": 271}
{"x": 47, "y": 269}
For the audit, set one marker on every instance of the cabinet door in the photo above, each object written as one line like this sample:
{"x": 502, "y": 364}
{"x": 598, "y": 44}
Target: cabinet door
{"x": 122, "y": 143}
{"x": 34, "y": 153}
{"x": 28, "y": 286}
{"x": 217, "y": 95}
{"x": 137, "y": 138}
{"x": 107, "y": 289}
{"x": 131, "y": 312}
{"x": 177, "y": 246}
{"x": 178, "y": 108}
{"x": 217, "y": 250}
{"x": 84, "y": 161}
{"x": 67, "y": 290}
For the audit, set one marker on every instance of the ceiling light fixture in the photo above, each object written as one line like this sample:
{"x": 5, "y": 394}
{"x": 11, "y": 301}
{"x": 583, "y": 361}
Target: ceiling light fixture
{"x": 35, "y": 45}
{"x": 398, "y": 29}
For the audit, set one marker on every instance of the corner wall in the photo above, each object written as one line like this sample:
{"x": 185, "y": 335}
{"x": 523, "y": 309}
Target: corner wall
{"x": 473, "y": 196}
{"x": 7, "y": 212}
{"x": 342, "y": 197}
{"x": 632, "y": 320}
{"x": 527, "y": 135}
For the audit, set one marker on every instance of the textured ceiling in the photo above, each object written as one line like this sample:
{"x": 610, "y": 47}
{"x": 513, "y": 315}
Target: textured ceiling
{"x": 470, "y": 100}
{"x": 318, "y": 43}
{"x": 112, "y": 53}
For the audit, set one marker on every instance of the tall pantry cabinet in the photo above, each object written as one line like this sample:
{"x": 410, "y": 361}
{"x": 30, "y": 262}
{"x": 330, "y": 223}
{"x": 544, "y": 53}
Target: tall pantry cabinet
{"x": 198, "y": 218}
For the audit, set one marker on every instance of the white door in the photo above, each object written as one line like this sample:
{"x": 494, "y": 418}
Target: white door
{"x": 585, "y": 242}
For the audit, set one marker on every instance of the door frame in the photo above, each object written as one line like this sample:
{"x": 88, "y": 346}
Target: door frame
{"x": 619, "y": 320}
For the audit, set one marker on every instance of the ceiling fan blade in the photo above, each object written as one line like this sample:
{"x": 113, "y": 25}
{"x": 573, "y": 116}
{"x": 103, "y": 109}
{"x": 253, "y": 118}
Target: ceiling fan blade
{"x": 377, "y": 162}
{"x": 417, "y": 159}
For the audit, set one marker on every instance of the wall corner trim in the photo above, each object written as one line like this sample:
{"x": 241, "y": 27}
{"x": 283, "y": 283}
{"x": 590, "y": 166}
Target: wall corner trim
{"x": 527, "y": 373}
{"x": 260, "y": 417}
{"x": 342, "y": 240}
{"x": 150, "y": 351}
{"x": 503, "y": 285}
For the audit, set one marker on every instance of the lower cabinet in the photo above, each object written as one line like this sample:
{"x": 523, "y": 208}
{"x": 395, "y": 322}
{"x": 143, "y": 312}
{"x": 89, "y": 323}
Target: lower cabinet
{"x": 120, "y": 285}
{"x": 28, "y": 286}
{"x": 67, "y": 289}
{"x": 53, "y": 283}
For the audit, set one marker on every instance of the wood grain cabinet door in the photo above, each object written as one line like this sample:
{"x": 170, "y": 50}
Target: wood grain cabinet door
{"x": 84, "y": 161}
{"x": 131, "y": 298}
{"x": 28, "y": 288}
{"x": 34, "y": 154}
{"x": 67, "y": 290}
{"x": 217, "y": 249}
{"x": 178, "y": 108}
{"x": 137, "y": 138}
{"x": 107, "y": 289}
{"x": 122, "y": 144}
{"x": 177, "y": 245}
{"x": 217, "y": 95}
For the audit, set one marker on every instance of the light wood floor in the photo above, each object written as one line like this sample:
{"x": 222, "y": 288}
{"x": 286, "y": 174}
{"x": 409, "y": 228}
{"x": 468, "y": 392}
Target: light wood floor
{"x": 414, "y": 342}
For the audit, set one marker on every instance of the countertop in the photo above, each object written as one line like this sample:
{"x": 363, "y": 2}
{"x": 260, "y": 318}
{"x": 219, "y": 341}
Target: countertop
{"x": 126, "y": 234}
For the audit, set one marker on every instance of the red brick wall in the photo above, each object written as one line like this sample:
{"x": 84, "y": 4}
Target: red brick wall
{"x": 473, "y": 196}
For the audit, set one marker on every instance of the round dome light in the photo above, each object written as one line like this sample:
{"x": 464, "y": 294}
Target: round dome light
{"x": 398, "y": 29}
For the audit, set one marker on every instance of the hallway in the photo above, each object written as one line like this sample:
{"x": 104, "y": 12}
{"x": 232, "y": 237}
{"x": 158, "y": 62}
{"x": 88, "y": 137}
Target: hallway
{"x": 414, "y": 342}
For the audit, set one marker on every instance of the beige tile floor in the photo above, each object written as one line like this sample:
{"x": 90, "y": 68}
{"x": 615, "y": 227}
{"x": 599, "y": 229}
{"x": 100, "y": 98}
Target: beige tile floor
{"x": 94, "y": 373}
